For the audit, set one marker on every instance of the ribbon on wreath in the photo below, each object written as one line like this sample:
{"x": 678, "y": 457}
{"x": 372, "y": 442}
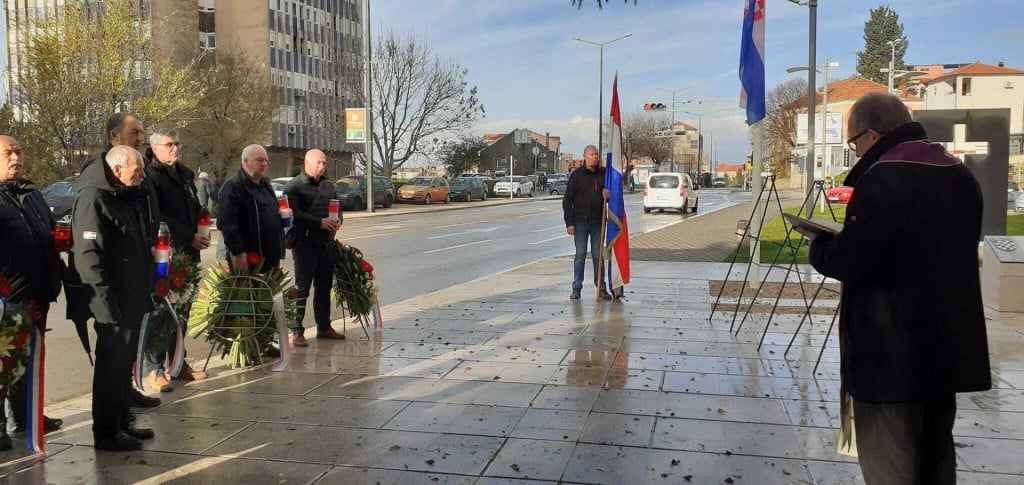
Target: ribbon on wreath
{"x": 174, "y": 362}
{"x": 36, "y": 384}
{"x": 282, "y": 332}
{"x": 3, "y": 306}
{"x": 140, "y": 354}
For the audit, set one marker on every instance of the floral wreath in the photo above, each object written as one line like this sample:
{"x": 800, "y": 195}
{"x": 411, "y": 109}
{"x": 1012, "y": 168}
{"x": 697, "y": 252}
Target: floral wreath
{"x": 353, "y": 279}
{"x": 16, "y": 320}
{"x": 178, "y": 289}
{"x": 234, "y": 310}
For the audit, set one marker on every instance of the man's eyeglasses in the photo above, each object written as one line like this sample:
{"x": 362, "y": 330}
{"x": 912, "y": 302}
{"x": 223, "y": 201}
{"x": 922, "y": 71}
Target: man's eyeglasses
{"x": 852, "y": 142}
{"x": 173, "y": 144}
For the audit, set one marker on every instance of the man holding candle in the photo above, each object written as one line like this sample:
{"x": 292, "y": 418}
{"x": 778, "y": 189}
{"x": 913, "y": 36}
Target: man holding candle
{"x": 28, "y": 250}
{"x": 317, "y": 219}
{"x": 249, "y": 219}
{"x": 173, "y": 185}
{"x": 114, "y": 256}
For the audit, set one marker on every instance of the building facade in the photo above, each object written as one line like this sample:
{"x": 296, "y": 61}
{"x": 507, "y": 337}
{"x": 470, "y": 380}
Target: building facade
{"x": 502, "y": 147}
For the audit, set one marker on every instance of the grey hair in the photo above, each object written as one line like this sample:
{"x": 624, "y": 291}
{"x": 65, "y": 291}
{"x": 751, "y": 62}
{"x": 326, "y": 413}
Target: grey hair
{"x": 119, "y": 156}
{"x": 247, "y": 151}
{"x": 159, "y": 134}
{"x": 588, "y": 147}
{"x": 881, "y": 112}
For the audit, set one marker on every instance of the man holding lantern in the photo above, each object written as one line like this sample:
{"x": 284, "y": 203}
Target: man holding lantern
{"x": 314, "y": 202}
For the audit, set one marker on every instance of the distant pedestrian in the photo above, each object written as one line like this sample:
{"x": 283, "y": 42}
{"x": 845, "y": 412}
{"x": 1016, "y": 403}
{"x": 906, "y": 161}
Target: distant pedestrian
{"x": 583, "y": 208}
{"x": 204, "y": 191}
{"x": 912, "y": 326}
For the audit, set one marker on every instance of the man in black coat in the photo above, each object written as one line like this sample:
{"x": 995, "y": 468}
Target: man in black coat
{"x": 309, "y": 194}
{"x": 583, "y": 210}
{"x": 248, "y": 218}
{"x": 115, "y": 261}
{"x": 912, "y": 326}
{"x": 26, "y": 251}
{"x": 172, "y": 184}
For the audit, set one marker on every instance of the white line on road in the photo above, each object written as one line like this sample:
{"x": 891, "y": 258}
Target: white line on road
{"x": 547, "y": 229}
{"x": 461, "y": 224}
{"x": 365, "y": 237}
{"x": 456, "y": 247}
{"x": 463, "y": 233}
{"x": 549, "y": 240}
{"x": 541, "y": 213}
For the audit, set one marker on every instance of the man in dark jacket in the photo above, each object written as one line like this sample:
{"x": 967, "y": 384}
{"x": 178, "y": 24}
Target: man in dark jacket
{"x": 26, "y": 251}
{"x": 248, "y": 219}
{"x": 309, "y": 194}
{"x": 912, "y": 327}
{"x": 583, "y": 209}
{"x": 115, "y": 262}
{"x": 172, "y": 184}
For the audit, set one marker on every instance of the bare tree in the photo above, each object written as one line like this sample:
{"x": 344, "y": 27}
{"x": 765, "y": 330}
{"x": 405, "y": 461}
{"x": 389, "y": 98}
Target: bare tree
{"x": 645, "y": 135}
{"x": 783, "y": 103}
{"x": 418, "y": 99}
{"x": 236, "y": 110}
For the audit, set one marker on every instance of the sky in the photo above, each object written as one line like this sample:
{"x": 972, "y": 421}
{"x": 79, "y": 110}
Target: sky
{"x": 531, "y": 74}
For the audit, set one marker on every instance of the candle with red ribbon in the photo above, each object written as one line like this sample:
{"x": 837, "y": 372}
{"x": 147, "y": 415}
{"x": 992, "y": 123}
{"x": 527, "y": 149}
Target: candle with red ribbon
{"x": 162, "y": 251}
{"x": 332, "y": 209}
{"x": 285, "y": 210}
{"x": 62, "y": 237}
{"x": 203, "y": 227}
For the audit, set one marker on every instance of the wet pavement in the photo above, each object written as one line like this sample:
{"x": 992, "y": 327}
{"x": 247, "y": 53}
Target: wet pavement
{"x": 505, "y": 380}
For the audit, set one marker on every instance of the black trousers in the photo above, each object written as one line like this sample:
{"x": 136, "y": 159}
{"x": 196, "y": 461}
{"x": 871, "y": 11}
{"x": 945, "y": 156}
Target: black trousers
{"x": 312, "y": 268}
{"x": 116, "y": 346}
{"x": 906, "y": 443}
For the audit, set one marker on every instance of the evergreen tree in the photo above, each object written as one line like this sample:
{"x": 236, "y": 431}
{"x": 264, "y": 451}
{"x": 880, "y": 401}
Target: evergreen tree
{"x": 883, "y": 26}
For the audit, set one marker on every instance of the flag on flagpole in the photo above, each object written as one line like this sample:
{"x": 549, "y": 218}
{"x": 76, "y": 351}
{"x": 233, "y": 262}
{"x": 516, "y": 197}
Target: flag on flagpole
{"x": 616, "y": 271}
{"x": 752, "y": 61}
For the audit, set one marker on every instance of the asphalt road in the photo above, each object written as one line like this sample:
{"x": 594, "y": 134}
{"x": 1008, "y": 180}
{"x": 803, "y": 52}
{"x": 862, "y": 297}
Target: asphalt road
{"x": 415, "y": 252}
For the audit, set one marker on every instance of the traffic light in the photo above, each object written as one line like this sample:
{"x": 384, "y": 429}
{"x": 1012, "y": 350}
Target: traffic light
{"x": 654, "y": 107}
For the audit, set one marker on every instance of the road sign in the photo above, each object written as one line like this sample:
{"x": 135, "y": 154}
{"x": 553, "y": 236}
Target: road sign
{"x": 536, "y": 151}
{"x": 522, "y": 136}
{"x": 355, "y": 125}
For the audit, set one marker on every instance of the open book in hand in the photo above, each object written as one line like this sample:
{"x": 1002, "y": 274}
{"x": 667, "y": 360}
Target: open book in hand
{"x": 817, "y": 226}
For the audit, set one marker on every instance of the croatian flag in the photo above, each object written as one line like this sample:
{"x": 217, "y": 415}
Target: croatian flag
{"x": 616, "y": 270}
{"x": 752, "y": 61}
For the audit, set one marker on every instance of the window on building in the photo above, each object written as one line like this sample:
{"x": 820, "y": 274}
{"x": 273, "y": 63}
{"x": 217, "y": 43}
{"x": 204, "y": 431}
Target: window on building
{"x": 694, "y": 145}
{"x": 965, "y": 86}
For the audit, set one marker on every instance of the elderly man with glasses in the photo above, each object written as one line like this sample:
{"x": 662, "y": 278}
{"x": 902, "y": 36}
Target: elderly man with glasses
{"x": 174, "y": 187}
{"x": 912, "y": 328}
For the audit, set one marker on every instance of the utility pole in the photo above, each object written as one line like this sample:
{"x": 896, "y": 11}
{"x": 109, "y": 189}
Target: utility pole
{"x": 600, "y": 95}
{"x": 370, "y": 205}
{"x": 672, "y": 127}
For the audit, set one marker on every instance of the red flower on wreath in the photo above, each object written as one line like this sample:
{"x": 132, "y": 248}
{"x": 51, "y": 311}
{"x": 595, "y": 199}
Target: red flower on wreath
{"x": 161, "y": 288}
{"x": 253, "y": 258}
{"x": 367, "y": 266}
{"x": 5, "y": 287}
{"x": 178, "y": 280}
{"x": 6, "y": 362}
{"x": 19, "y": 339}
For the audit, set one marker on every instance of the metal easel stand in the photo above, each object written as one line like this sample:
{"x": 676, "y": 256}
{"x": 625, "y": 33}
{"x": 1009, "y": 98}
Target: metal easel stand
{"x": 363, "y": 320}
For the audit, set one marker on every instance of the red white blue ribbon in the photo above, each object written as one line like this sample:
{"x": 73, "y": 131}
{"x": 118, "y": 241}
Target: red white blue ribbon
{"x": 140, "y": 354}
{"x": 174, "y": 362}
{"x": 36, "y": 383}
{"x": 3, "y": 306}
{"x": 282, "y": 332}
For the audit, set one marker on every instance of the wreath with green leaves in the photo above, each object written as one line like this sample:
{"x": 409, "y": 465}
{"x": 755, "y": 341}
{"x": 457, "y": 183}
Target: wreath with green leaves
{"x": 353, "y": 279}
{"x": 16, "y": 319}
{"x": 234, "y": 310}
{"x": 178, "y": 289}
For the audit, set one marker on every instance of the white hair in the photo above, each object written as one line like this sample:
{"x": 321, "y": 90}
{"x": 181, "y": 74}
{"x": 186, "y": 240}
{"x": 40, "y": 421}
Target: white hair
{"x": 118, "y": 156}
{"x": 158, "y": 136}
{"x": 247, "y": 151}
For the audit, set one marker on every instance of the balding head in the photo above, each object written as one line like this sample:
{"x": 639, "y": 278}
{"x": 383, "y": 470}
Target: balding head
{"x": 11, "y": 164}
{"x": 315, "y": 164}
{"x": 871, "y": 117}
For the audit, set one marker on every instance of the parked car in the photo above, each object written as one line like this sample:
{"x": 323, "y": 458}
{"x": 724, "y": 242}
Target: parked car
{"x": 517, "y": 185}
{"x": 425, "y": 190}
{"x": 61, "y": 197}
{"x": 468, "y": 188}
{"x": 671, "y": 191}
{"x": 839, "y": 195}
{"x": 352, "y": 192}
{"x": 555, "y": 177}
{"x": 1015, "y": 196}
{"x": 278, "y": 185}
{"x": 558, "y": 187}
{"x": 718, "y": 182}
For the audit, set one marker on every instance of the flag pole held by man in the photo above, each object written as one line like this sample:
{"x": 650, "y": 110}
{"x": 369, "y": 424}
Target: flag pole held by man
{"x": 615, "y": 270}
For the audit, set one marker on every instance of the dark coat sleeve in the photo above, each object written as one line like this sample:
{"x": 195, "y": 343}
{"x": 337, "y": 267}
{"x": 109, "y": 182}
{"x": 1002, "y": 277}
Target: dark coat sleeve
{"x": 89, "y": 257}
{"x": 568, "y": 200}
{"x": 230, "y": 203}
{"x": 873, "y": 219}
{"x": 301, "y": 203}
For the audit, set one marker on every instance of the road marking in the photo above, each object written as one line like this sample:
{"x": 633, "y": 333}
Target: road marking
{"x": 549, "y": 240}
{"x": 471, "y": 231}
{"x": 541, "y": 213}
{"x": 371, "y": 235}
{"x": 461, "y": 224}
{"x": 457, "y": 247}
{"x": 547, "y": 229}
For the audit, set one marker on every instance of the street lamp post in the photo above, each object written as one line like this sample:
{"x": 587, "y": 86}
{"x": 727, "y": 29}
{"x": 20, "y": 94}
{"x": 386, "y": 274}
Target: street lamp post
{"x": 600, "y": 96}
{"x": 700, "y": 139}
{"x": 892, "y": 60}
{"x": 812, "y": 57}
{"x": 672, "y": 127}
{"x": 370, "y": 204}
{"x": 824, "y": 120}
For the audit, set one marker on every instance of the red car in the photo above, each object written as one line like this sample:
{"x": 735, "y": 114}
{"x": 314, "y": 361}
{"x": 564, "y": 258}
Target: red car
{"x": 840, "y": 195}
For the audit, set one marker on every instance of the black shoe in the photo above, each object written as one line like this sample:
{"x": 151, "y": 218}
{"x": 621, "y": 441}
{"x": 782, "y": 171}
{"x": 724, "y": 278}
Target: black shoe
{"x": 140, "y": 400}
{"x": 5, "y": 441}
{"x": 49, "y": 425}
{"x": 119, "y": 442}
{"x": 139, "y": 433}
{"x": 130, "y": 417}
{"x": 605, "y": 295}
{"x": 575, "y": 294}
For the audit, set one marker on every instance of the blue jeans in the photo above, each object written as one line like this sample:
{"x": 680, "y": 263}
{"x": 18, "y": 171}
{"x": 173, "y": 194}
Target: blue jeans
{"x": 585, "y": 230}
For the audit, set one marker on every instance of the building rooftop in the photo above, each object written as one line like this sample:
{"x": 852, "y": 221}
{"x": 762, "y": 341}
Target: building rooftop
{"x": 979, "y": 69}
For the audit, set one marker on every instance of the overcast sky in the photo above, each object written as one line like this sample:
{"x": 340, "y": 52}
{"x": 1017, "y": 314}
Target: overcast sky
{"x": 531, "y": 74}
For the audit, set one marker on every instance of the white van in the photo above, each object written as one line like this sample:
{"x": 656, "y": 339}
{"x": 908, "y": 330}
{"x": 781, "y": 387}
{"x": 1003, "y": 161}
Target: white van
{"x": 670, "y": 191}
